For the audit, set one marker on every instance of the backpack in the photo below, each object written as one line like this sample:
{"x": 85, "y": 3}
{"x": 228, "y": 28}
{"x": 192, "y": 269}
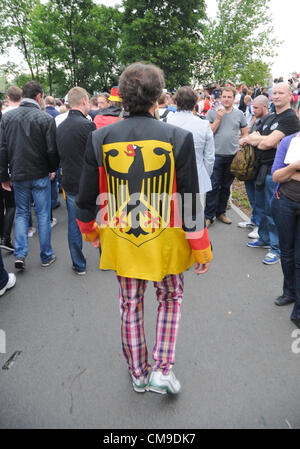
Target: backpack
{"x": 243, "y": 163}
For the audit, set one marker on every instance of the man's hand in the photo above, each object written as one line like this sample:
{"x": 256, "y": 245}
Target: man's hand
{"x": 220, "y": 114}
{"x": 204, "y": 269}
{"x": 6, "y": 185}
{"x": 243, "y": 141}
{"x": 96, "y": 243}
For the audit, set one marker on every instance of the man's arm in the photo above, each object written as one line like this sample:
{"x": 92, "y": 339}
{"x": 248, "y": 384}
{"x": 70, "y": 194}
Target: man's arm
{"x": 215, "y": 125}
{"x": 271, "y": 141}
{"x": 4, "y": 177}
{"x": 87, "y": 196}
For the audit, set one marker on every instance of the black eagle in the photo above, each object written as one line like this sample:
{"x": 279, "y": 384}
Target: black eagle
{"x": 134, "y": 178}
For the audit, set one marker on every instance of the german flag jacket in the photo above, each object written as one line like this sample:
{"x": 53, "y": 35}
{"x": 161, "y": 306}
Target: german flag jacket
{"x": 140, "y": 179}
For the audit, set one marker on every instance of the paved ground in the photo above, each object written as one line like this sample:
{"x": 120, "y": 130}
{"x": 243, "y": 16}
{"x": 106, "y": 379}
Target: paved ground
{"x": 234, "y": 356}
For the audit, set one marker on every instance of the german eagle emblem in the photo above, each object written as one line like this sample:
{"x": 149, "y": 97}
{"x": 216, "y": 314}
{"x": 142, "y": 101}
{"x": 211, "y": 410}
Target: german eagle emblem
{"x": 140, "y": 178}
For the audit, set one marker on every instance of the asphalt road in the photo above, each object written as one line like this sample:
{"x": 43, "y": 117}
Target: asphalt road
{"x": 234, "y": 352}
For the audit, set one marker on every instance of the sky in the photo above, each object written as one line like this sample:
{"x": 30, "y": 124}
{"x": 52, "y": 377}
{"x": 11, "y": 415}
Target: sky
{"x": 285, "y": 16}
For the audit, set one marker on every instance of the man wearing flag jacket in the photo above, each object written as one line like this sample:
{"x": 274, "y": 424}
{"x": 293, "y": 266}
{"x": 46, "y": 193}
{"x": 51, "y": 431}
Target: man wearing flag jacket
{"x": 143, "y": 170}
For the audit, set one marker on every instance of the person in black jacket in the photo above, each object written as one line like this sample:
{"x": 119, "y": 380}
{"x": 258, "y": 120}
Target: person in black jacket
{"x": 71, "y": 139}
{"x": 28, "y": 148}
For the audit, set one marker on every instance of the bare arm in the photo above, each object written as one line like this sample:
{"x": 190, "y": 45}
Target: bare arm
{"x": 215, "y": 125}
{"x": 271, "y": 141}
{"x": 287, "y": 173}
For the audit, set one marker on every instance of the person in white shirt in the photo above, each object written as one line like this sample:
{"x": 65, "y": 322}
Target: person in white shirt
{"x": 186, "y": 100}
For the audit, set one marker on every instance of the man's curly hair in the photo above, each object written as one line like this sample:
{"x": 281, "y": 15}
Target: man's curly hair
{"x": 140, "y": 86}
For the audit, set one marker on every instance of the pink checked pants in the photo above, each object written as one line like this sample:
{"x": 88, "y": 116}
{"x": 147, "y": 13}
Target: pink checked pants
{"x": 169, "y": 296}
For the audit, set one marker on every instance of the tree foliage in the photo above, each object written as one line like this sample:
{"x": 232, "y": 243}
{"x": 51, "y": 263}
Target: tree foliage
{"x": 81, "y": 42}
{"x": 240, "y": 36}
{"x": 165, "y": 33}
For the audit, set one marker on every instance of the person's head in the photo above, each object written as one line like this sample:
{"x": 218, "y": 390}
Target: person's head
{"x": 103, "y": 101}
{"x": 162, "y": 101}
{"x": 227, "y": 96}
{"x": 140, "y": 87}
{"x": 260, "y": 106}
{"x": 281, "y": 96}
{"x": 49, "y": 101}
{"x": 218, "y": 86}
{"x": 94, "y": 103}
{"x": 33, "y": 89}
{"x": 185, "y": 99}
{"x": 247, "y": 100}
{"x": 14, "y": 94}
{"x": 79, "y": 99}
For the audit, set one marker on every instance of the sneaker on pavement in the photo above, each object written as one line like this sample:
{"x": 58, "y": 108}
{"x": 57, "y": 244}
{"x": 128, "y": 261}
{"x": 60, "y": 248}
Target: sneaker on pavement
{"x": 31, "y": 231}
{"x": 10, "y": 283}
{"x": 7, "y": 245}
{"x": 50, "y": 261}
{"x": 79, "y": 272}
{"x": 164, "y": 383}
{"x": 20, "y": 264}
{"x": 254, "y": 234}
{"x": 140, "y": 384}
{"x": 246, "y": 224}
{"x": 257, "y": 244}
{"x": 53, "y": 222}
{"x": 224, "y": 219}
{"x": 271, "y": 259}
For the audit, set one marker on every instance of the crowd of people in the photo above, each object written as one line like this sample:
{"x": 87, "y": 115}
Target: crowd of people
{"x": 138, "y": 161}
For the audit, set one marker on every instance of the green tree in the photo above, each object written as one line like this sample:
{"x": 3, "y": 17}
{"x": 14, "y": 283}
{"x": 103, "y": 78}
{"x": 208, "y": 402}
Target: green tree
{"x": 15, "y": 29}
{"x": 240, "y": 36}
{"x": 82, "y": 40}
{"x": 164, "y": 33}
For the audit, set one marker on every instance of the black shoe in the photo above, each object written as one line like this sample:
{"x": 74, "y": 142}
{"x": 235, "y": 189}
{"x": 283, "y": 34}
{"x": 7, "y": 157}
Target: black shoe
{"x": 56, "y": 205}
{"x": 296, "y": 321}
{"x": 20, "y": 264}
{"x": 7, "y": 245}
{"x": 283, "y": 300}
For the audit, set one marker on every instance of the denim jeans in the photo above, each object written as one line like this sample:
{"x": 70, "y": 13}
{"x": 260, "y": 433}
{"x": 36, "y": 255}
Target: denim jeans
{"x": 54, "y": 193}
{"x": 257, "y": 208}
{"x": 74, "y": 235}
{"x": 267, "y": 230}
{"x": 3, "y": 274}
{"x": 221, "y": 180}
{"x": 40, "y": 191}
{"x": 286, "y": 214}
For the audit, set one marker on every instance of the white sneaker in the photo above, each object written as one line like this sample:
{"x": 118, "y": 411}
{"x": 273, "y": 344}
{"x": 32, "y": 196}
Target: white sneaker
{"x": 31, "y": 231}
{"x": 246, "y": 224}
{"x": 10, "y": 283}
{"x": 164, "y": 383}
{"x": 140, "y": 384}
{"x": 53, "y": 222}
{"x": 254, "y": 234}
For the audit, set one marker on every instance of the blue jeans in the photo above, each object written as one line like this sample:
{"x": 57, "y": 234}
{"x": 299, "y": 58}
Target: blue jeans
{"x": 221, "y": 180}
{"x": 286, "y": 214}
{"x": 74, "y": 235}
{"x": 40, "y": 190}
{"x": 3, "y": 274}
{"x": 54, "y": 192}
{"x": 257, "y": 208}
{"x": 267, "y": 230}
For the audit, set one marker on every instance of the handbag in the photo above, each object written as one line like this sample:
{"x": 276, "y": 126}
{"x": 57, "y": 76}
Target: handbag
{"x": 243, "y": 162}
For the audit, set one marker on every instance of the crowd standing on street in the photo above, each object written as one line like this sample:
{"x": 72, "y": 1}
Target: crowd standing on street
{"x": 144, "y": 173}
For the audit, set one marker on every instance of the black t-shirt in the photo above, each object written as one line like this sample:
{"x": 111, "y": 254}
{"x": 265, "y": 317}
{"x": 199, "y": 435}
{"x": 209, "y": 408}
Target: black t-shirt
{"x": 287, "y": 122}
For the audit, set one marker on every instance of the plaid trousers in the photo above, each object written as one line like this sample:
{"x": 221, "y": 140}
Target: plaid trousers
{"x": 169, "y": 293}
